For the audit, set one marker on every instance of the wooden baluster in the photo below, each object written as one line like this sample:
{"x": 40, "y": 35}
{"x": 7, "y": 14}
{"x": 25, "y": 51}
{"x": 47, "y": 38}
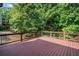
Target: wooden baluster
{"x": 53, "y": 35}
{"x": 21, "y": 36}
{"x": 1, "y": 40}
{"x": 59, "y": 35}
{"x": 64, "y": 36}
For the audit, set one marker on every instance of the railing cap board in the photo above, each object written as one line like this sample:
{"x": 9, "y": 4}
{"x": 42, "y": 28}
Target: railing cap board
{"x": 61, "y": 32}
{"x": 9, "y": 34}
{"x": 6, "y": 34}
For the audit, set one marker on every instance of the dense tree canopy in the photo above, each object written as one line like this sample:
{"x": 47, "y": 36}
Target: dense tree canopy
{"x": 38, "y": 17}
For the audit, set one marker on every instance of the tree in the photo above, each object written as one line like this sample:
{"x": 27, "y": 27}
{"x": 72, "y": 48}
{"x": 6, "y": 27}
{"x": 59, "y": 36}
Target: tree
{"x": 28, "y": 17}
{"x": 38, "y": 17}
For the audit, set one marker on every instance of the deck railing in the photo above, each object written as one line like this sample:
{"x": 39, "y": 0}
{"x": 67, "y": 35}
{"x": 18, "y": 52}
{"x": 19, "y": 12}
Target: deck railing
{"x": 60, "y": 33}
{"x": 13, "y": 37}
{"x": 9, "y": 37}
{"x": 5, "y": 37}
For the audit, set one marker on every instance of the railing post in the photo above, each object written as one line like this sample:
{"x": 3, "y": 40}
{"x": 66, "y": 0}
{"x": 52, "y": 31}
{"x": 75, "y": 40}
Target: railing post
{"x": 21, "y": 36}
{"x": 64, "y": 36}
{"x": 1, "y": 40}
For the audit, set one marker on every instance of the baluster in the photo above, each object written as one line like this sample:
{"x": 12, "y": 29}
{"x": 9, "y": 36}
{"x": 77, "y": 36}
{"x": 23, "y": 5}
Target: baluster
{"x": 21, "y": 36}
{"x": 64, "y": 36}
{"x": 1, "y": 39}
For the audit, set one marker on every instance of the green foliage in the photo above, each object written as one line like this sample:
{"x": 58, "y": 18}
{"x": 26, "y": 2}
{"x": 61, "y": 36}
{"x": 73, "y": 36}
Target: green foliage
{"x": 38, "y": 17}
{"x": 71, "y": 28}
{"x": 28, "y": 17}
{"x": 5, "y": 13}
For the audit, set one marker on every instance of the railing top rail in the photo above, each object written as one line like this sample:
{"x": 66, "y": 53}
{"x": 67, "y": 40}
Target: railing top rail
{"x": 52, "y": 32}
{"x": 61, "y": 32}
{"x": 6, "y": 34}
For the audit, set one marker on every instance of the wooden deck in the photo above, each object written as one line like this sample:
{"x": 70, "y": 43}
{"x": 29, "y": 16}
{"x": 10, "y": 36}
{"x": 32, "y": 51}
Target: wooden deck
{"x": 41, "y": 46}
